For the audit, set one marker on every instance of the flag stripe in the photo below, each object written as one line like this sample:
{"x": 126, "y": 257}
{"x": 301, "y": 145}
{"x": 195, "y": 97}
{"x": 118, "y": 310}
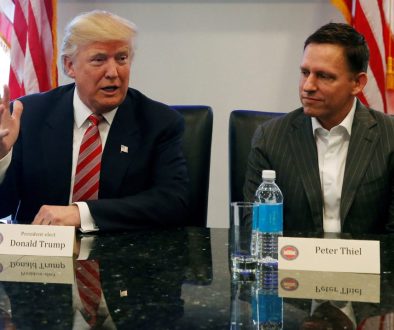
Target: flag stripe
{"x": 33, "y": 47}
{"x": 39, "y": 61}
{"x": 5, "y": 29}
{"x": 373, "y": 33}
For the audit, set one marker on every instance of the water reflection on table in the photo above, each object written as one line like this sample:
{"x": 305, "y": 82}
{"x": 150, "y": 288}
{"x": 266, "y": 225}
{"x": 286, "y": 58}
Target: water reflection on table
{"x": 177, "y": 279}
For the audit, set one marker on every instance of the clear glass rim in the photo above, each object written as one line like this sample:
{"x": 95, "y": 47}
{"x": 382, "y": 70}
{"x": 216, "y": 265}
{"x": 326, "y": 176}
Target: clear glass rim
{"x": 245, "y": 204}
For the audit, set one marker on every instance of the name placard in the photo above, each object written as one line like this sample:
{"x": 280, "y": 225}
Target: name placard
{"x": 329, "y": 285}
{"x": 36, "y": 269}
{"x": 335, "y": 255}
{"x": 37, "y": 240}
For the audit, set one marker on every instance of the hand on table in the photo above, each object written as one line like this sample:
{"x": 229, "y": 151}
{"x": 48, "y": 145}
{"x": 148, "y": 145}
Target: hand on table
{"x": 58, "y": 216}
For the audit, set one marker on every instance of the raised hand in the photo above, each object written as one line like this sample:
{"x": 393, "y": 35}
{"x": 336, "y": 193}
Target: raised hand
{"x": 9, "y": 123}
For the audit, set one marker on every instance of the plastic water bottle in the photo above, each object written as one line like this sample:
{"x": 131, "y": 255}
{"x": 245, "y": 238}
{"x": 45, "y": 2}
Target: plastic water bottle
{"x": 267, "y": 306}
{"x": 268, "y": 219}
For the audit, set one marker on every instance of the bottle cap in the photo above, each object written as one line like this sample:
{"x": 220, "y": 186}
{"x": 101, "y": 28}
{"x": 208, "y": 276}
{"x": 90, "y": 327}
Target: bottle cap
{"x": 268, "y": 174}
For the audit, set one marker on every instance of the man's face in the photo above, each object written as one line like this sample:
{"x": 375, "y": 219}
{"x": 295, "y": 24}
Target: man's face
{"x": 101, "y": 72}
{"x": 327, "y": 87}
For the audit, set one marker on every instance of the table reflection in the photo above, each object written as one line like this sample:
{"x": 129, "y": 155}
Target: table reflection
{"x": 180, "y": 279}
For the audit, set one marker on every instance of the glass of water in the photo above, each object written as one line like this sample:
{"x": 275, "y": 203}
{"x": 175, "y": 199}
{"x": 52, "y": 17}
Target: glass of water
{"x": 243, "y": 263}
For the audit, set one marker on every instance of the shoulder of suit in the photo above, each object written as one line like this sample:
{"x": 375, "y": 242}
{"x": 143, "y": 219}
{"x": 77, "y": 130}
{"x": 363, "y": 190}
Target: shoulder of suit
{"x": 295, "y": 117}
{"x": 39, "y": 105}
{"x": 372, "y": 116}
{"x": 54, "y": 93}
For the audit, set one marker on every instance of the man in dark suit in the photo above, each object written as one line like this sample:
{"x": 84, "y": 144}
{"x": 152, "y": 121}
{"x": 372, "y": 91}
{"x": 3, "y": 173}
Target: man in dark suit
{"x": 334, "y": 158}
{"x": 143, "y": 177}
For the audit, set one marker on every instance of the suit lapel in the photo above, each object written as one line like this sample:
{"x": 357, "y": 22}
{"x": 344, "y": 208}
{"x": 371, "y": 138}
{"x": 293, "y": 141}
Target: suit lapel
{"x": 305, "y": 158}
{"x": 123, "y": 140}
{"x": 361, "y": 147}
{"x": 57, "y": 139}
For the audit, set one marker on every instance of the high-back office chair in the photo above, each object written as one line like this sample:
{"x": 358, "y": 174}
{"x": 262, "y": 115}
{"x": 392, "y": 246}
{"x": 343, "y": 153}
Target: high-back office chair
{"x": 242, "y": 125}
{"x": 197, "y": 150}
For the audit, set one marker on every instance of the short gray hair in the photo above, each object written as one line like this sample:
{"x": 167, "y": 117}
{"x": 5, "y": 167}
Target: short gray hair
{"x": 96, "y": 26}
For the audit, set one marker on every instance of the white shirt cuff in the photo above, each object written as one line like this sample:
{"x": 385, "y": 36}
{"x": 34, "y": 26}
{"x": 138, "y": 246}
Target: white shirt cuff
{"x": 85, "y": 247}
{"x": 87, "y": 221}
{"x": 4, "y": 164}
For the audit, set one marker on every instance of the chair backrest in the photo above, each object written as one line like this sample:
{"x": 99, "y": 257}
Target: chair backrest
{"x": 242, "y": 125}
{"x": 197, "y": 150}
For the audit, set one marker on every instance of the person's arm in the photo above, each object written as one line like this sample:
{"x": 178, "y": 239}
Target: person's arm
{"x": 390, "y": 223}
{"x": 256, "y": 163}
{"x": 10, "y": 117}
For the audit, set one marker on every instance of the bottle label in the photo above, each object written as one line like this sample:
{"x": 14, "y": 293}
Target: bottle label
{"x": 270, "y": 218}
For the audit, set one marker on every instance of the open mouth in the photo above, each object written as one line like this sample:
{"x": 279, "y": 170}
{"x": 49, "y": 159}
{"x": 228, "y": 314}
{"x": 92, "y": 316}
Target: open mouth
{"x": 110, "y": 88}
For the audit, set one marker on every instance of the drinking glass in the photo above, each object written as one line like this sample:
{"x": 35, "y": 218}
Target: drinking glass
{"x": 243, "y": 263}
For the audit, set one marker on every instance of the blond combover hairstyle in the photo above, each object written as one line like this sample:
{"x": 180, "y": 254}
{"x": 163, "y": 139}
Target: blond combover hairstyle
{"x": 96, "y": 26}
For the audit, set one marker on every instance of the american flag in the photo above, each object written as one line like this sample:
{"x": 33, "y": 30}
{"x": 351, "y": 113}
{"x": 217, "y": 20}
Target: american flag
{"x": 33, "y": 47}
{"x": 6, "y": 9}
{"x": 375, "y": 20}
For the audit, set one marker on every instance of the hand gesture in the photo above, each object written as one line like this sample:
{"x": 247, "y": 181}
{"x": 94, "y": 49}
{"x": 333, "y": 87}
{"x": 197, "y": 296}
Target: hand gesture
{"x": 9, "y": 123}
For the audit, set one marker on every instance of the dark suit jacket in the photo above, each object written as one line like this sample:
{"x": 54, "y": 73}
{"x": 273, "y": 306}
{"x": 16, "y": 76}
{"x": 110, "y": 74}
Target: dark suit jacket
{"x": 287, "y": 145}
{"x": 148, "y": 185}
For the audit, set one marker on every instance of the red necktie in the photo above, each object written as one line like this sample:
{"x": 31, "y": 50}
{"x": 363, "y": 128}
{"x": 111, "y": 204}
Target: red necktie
{"x": 87, "y": 174}
{"x": 87, "y": 275}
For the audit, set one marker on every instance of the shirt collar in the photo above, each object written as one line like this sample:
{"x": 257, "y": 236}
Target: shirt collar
{"x": 82, "y": 112}
{"x": 346, "y": 122}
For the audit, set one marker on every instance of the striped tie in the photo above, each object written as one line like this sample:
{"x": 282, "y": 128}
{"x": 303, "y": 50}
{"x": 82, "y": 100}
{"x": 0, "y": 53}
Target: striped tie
{"x": 87, "y": 276}
{"x": 87, "y": 174}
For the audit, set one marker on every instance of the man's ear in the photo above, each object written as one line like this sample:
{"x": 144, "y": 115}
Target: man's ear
{"x": 360, "y": 81}
{"x": 68, "y": 66}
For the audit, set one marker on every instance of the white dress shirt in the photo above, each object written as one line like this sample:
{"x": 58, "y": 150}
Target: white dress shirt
{"x": 332, "y": 148}
{"x": 81, "y": 123}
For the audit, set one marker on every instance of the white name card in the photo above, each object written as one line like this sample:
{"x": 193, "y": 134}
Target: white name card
{"x": 329, "y": 286}
{"x": 335, "y": 255}
{"x": 37, "y": 240}
{"x": 36, "y": 269}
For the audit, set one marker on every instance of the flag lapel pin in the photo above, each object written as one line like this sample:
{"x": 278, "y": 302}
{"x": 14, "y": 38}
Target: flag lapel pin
{"x": 124, "y": 149}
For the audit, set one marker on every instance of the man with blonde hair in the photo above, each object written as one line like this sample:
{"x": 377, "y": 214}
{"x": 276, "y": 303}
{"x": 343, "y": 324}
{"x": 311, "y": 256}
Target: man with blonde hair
{"x": 94, "y": 154}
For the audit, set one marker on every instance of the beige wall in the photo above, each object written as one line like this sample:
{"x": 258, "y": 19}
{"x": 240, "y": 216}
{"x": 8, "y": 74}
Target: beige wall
{"x": 224, "y": 53}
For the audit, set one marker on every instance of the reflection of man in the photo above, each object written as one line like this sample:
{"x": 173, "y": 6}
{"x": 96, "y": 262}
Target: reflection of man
{"x": 141, "y": 178}
{"x": 142, "y": 284}
{"x": 330, "y": 315}
{"x": 334, "y": 157}
{"x": 139, "y": 285}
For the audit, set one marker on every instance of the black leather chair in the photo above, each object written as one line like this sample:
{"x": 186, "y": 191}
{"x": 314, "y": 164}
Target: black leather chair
{"x": 197, "y": 150}
{"x": 242, "y": 125}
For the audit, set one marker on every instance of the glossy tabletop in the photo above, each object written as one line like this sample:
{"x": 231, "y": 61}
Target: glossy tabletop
{"x": 171, "y": 279}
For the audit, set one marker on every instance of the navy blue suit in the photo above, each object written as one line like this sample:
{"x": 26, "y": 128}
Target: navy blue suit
{"x": 147, "y": 185}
